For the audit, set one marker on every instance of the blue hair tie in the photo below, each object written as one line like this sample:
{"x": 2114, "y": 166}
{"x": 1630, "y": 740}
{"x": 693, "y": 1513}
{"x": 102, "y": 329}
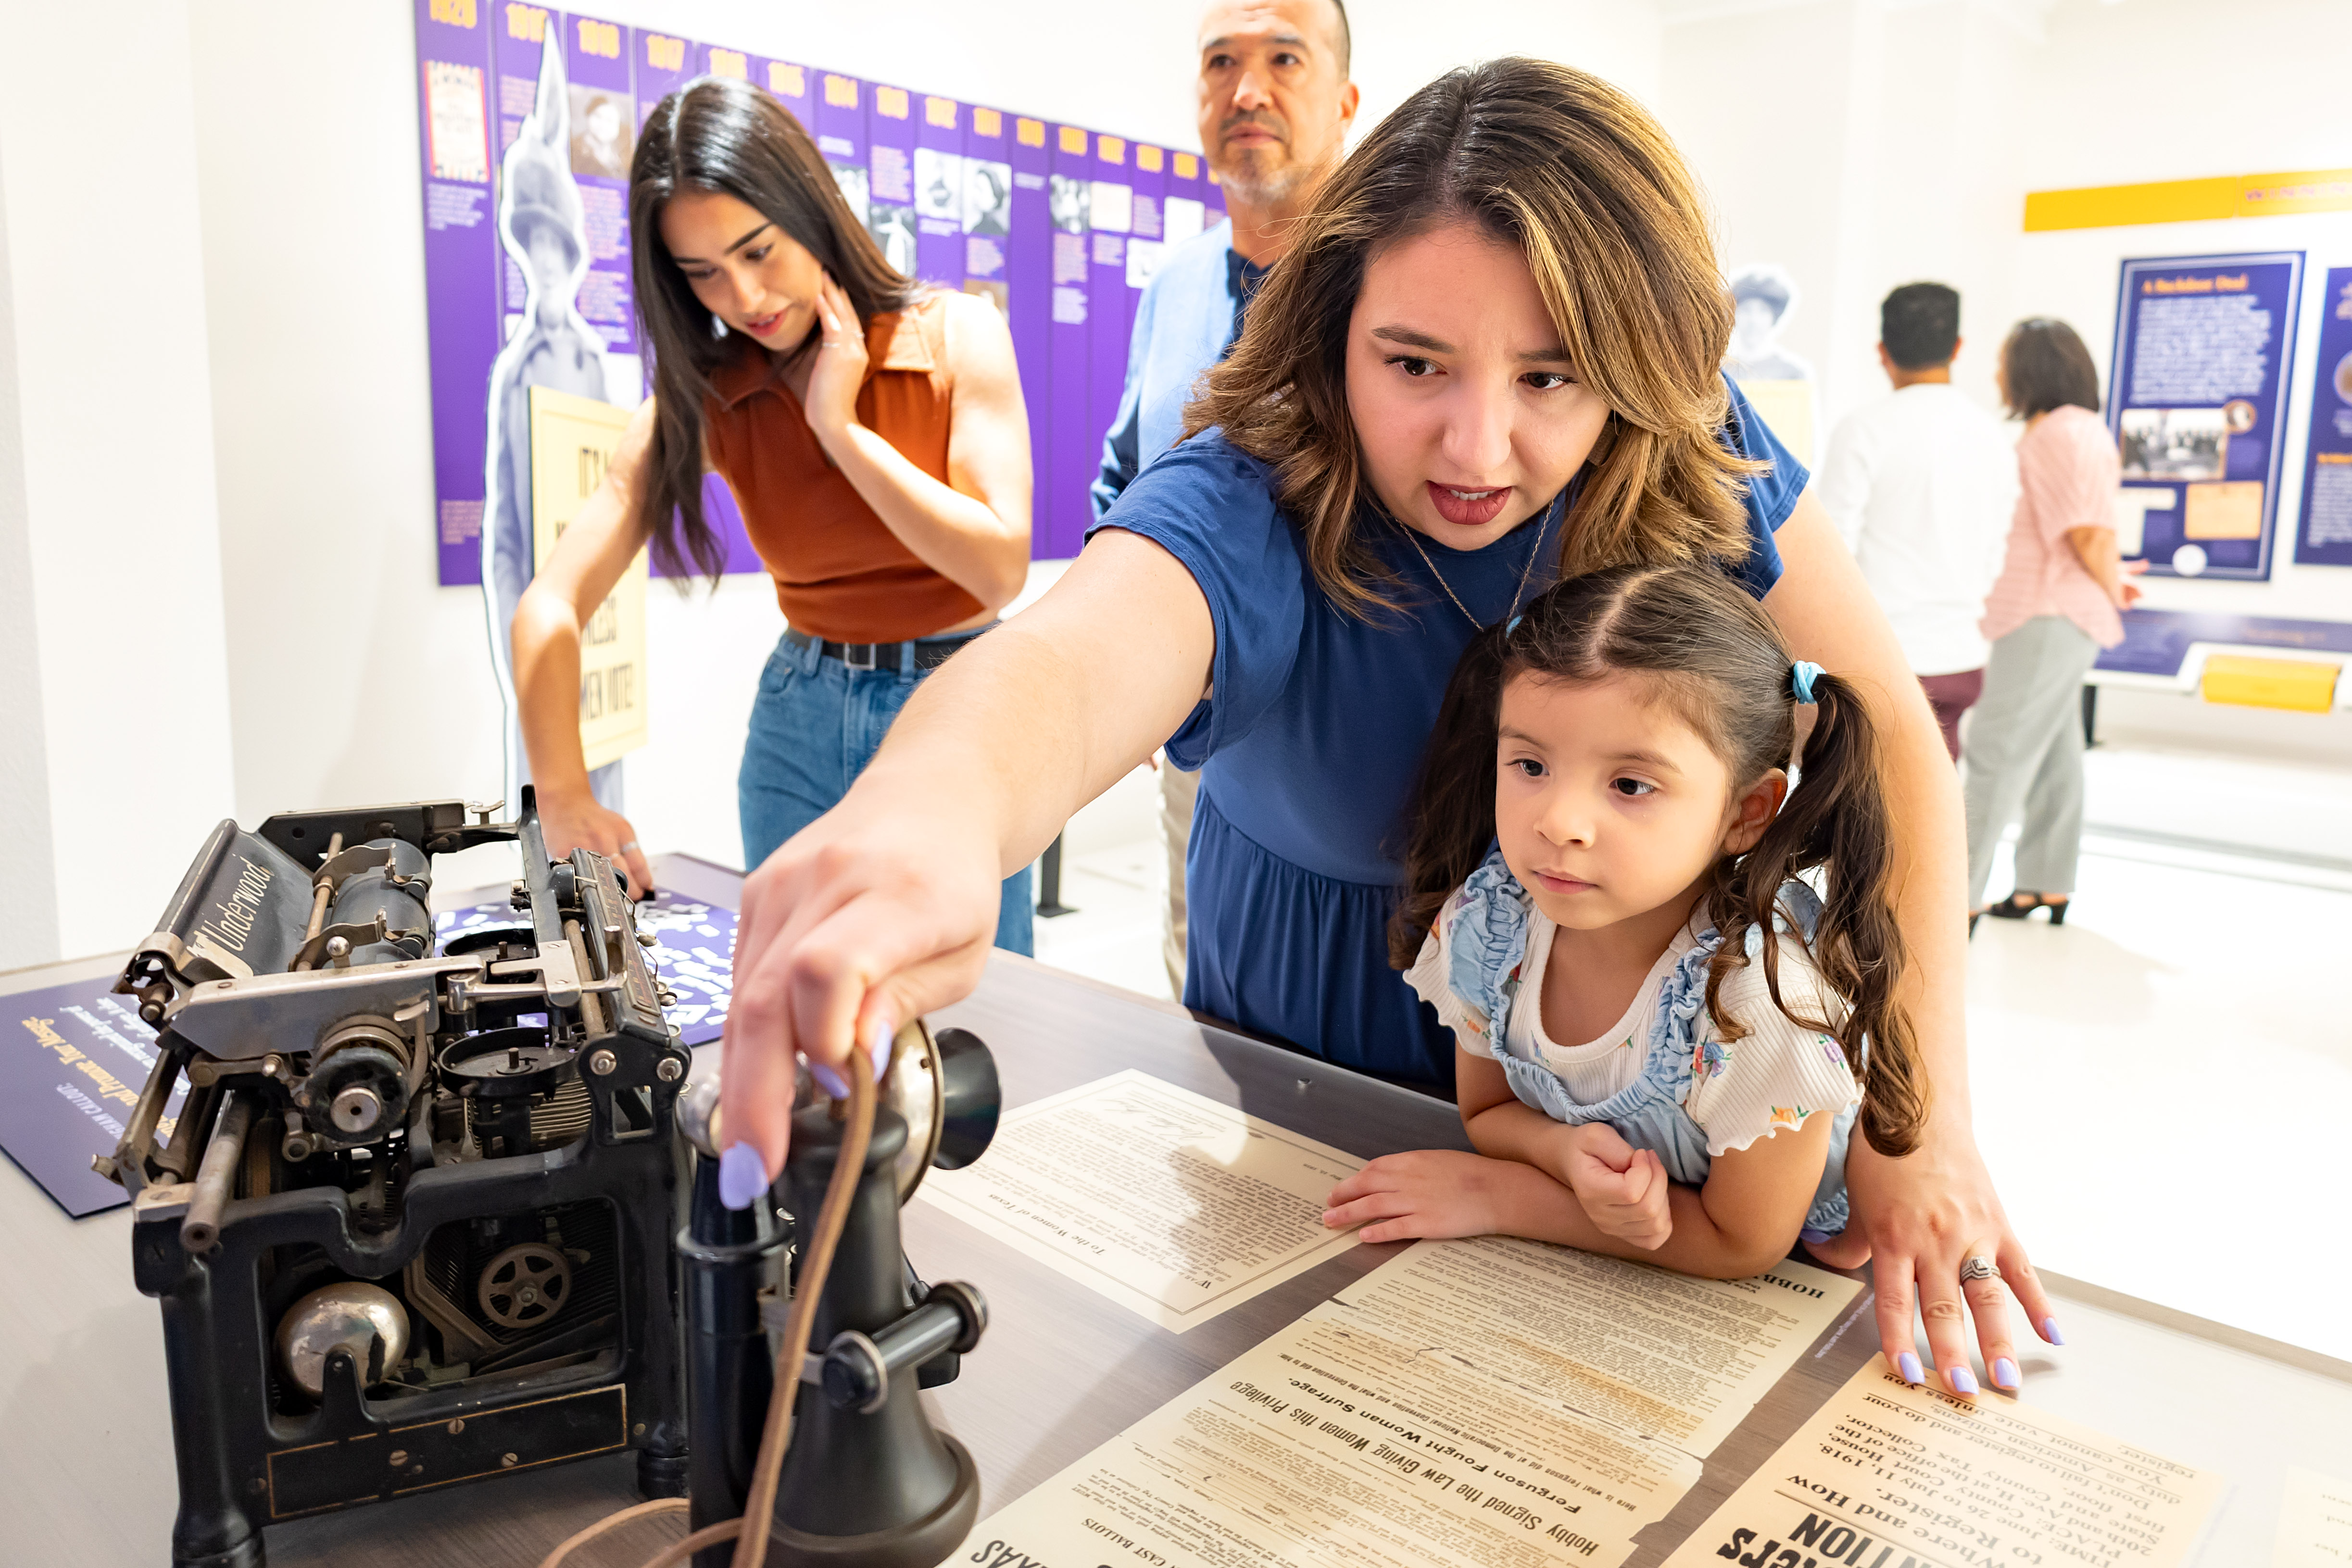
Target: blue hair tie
{"x": 1802, "y": 676}
{"x": 1514, "y": 625}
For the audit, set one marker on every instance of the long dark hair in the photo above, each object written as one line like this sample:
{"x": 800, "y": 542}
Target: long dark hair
{"x": 2044, "y": 366}
{"x": 1716, "y": 661}
{"x": 720, "y": 135}
{"x": 1581, "y": 181}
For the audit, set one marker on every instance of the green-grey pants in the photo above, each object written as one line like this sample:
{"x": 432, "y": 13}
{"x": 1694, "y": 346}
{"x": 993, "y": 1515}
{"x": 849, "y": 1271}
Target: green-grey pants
{"x": 2025, "y": 749}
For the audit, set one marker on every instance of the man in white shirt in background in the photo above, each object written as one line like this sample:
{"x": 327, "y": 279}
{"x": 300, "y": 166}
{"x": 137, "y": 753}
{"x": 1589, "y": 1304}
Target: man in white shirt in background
{"x": 1922, "y": 485}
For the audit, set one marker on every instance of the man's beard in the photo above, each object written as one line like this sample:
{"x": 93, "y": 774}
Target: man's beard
{"x": 1272, "y": 188}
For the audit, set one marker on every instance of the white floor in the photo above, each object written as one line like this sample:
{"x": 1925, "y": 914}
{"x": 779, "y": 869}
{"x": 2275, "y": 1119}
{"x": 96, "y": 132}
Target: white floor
{"x": 2163, "y": 1085}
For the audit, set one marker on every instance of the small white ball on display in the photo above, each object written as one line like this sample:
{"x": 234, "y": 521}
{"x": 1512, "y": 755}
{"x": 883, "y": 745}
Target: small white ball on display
{"x": 2189, "y": 560}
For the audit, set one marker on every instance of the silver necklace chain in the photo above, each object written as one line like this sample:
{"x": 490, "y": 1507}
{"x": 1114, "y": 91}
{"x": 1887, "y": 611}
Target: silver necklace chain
{"x": 1516, "y": 593}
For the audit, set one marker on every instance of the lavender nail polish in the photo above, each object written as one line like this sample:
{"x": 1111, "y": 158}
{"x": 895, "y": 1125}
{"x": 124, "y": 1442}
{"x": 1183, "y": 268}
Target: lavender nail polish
{"x": 2004, "y": 1373}
{"x": 1908, "y": 1366}
{"x": 829, "y": 1081}
{"x": 1962, "y": 1380}
{"x": 743, "y": 1176}
{"x": 2050, "y": 1332}
{"x": 886, "y": 1032}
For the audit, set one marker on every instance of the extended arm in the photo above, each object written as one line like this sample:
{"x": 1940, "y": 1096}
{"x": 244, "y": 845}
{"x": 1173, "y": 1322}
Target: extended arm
{"x": 885, "y": 906}
{"x": 1920, "y": 1215}
{"x": 601, "y": 541}
{"x": 974, "y": 529}
{"x": 2096, "y": 548}
{"x": 1525, "y": 1181}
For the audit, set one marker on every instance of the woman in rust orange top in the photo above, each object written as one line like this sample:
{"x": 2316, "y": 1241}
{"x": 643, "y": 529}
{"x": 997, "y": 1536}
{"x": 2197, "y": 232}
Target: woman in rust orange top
{"x": 872, "y": 432}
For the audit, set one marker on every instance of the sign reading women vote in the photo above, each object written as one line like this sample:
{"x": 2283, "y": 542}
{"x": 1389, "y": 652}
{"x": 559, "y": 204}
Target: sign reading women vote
{"x": 2200, "y": 357}
{"x": 2325, "y": 538}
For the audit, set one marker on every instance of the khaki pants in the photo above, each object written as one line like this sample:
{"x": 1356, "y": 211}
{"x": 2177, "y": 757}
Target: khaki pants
{"x": 1178, "y": 790}
{"x": 2024, "y": 752}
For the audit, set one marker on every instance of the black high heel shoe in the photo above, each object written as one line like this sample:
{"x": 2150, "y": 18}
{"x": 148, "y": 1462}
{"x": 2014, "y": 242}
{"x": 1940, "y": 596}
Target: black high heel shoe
{"x": 2009, "y": 908}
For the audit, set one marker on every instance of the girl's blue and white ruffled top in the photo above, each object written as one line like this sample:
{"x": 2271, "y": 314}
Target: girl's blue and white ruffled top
{"x": 1664, "y": 1076}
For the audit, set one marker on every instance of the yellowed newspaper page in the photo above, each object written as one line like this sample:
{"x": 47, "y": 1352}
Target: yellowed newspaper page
{"x": 2315, "y": 1521}
{"x": 1329, "y": 1447}
{"x": 1655, "y": 1353}
{"x": 1167, "y": 1202}
{"x": 1886, "y": 1475}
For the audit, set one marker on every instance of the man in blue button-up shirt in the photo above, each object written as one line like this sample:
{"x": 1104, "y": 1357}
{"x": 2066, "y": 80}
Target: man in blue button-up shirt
{"x": 1274, "y": 107}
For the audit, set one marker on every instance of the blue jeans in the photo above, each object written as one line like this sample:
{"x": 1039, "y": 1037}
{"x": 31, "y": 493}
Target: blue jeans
{"x": 814, "y": 726}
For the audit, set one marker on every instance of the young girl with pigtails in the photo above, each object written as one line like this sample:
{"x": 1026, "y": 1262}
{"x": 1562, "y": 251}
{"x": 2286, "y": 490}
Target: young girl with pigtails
{"x": 1662, "y": 1030}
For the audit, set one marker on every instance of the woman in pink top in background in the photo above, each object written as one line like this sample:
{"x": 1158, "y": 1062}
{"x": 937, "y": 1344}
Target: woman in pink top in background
{"x": 2056, "y": 604}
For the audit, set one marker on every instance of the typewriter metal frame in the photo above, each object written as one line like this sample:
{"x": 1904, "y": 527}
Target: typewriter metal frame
{"x": 249, "y": 1456}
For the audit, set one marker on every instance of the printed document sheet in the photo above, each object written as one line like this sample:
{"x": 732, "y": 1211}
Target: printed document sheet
{"x": 2315, "y": 1521}
{"x": 1167, "y": 1202}
{"x": 1886, "y": 1474}
{"x": 1458, "y": 1405}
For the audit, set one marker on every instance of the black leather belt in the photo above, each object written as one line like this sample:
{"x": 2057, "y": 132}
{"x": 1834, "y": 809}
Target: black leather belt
{"x": 931, "y": 652}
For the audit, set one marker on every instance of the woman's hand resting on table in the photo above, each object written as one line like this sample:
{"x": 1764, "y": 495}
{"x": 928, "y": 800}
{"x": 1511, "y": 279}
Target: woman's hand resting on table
{"x": 568, "y": 824}
{"x": 1917, "y": 1219}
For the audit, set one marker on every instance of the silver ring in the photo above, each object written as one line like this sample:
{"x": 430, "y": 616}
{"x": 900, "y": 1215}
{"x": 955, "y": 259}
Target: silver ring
{"x": 1979, "y": 1268}
{"x": 628, "y": 847}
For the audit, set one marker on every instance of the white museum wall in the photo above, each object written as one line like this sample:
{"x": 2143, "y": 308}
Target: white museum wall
{"x": 117, "y": 723}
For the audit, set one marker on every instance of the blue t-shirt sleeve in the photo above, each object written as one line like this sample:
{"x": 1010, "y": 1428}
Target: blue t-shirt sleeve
{"x": 1771, "y": 494}
{"x": 1213, "y": 510}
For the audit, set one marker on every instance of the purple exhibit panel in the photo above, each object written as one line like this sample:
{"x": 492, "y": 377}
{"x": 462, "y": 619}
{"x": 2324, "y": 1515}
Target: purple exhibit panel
{"x": 1212, "y": 198}
{"x": 461, "y": 268}
{"x": 664, "y": 62}
{"x": 1062, "y": 488}
{"x": 2202, "y": 344}
{"x": 1029, "y": 307}
{"x": 77, "y": 1059}
{"x": 841, "y": 135}
{"x": 2324, "y": 537}
{"x": 596, "y": 58}
{"x": 1148, "y": 241}
{"x": 939, "y": 191}
{"x": 890, "y": 175}
{"x": 1182, "y": 213}
{"x": 790, "y": 85}
{"x": 1111, "y": 217}
{"x": 983, "y": 260}
{"x": 516, "y": 44}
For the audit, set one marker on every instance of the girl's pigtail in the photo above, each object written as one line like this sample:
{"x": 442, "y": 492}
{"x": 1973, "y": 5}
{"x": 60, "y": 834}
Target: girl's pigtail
{"x": 1450, "y": 820}
{"x": 1836, "y": 819}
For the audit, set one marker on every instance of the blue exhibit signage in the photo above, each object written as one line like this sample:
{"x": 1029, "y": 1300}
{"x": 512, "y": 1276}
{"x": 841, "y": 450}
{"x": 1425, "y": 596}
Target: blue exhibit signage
{"x": 2324, "y": 537}
{"x": 2201, "y": 351}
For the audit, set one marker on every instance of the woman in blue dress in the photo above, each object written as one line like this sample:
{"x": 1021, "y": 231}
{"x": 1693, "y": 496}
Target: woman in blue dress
{"x": 1489, "y": 358}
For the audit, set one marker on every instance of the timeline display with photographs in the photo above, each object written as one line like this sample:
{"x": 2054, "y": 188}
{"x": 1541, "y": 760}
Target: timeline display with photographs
{"x": 2324, "y": 537}
{"x": 527, "y": 238}
{"x": 2201, "y": 353}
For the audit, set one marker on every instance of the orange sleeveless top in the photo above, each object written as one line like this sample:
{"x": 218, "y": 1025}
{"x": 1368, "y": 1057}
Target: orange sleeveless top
{"x": 840, "y": 573}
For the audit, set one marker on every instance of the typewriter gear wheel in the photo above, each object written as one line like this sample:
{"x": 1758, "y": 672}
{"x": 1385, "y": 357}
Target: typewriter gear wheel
{"x": 525, "y": 1286}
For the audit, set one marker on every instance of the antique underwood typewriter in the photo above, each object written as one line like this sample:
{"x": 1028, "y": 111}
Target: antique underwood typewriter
{"x": 412, "y": 1223}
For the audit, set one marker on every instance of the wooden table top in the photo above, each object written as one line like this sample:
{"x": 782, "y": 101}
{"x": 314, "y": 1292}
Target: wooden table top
{"x": 86, "y": 1468}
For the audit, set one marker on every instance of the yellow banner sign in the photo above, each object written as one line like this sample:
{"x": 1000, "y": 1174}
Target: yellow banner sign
{"x": 2190, "y": 201}
{"x": 572, "y": 441}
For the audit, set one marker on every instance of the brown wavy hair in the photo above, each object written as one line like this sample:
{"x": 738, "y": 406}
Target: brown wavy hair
{"x": 1712, "y": 656}
{"x": 715, "y": 134}
{"x": 1586, "y": 186}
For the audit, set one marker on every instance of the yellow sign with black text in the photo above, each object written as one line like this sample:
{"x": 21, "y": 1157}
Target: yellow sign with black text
{"x": 572, "y": 441}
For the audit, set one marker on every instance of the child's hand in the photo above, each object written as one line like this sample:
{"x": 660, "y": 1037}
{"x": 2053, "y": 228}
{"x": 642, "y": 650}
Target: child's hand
{"x": 1623, "y": 1188}
{"x": 1430, "y": 1193}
